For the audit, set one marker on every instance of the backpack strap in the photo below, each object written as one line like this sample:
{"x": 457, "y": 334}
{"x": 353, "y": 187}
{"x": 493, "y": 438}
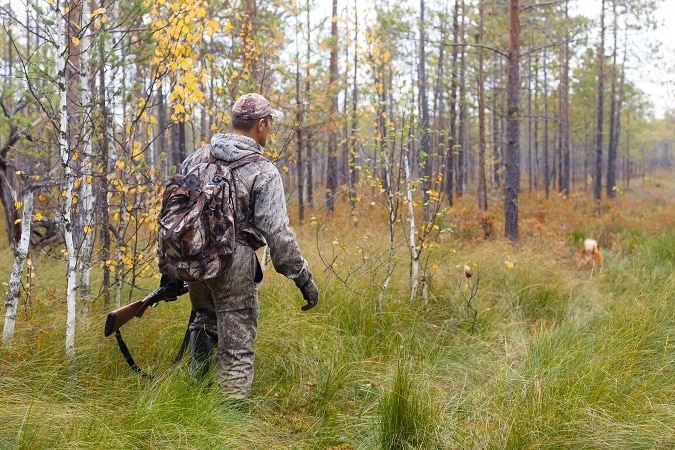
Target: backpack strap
{"x": 209, "y": 158}
{"x": 245, "y": 160}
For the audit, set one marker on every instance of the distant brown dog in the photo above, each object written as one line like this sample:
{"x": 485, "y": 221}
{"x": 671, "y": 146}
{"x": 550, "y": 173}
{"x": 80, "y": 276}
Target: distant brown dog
{"x": 590, "y": 255}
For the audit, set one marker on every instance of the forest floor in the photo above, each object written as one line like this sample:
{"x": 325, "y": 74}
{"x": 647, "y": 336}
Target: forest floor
{"x": 530, "y": 352}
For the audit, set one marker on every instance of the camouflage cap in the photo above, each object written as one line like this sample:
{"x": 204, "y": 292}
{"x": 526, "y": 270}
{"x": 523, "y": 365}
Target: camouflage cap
{"x": 254, "y": 106}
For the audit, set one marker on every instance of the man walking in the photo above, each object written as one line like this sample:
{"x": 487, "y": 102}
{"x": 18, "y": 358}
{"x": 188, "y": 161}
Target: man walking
{"x": 226, "y": 307}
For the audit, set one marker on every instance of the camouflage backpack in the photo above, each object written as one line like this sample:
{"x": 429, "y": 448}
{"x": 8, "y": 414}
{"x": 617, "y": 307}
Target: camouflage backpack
{"x": 196, "y": 235}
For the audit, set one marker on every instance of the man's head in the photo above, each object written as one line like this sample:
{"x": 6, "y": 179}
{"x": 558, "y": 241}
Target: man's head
{"x": 251, "y": 116}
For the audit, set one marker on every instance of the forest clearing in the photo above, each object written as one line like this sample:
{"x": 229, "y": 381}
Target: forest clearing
{"x": 444, "y": 163}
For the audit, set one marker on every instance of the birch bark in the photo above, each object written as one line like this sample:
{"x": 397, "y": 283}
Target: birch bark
{"x": 12, "y": 301}
{"x": 415, "y": 261}
{"x": 69, "y": 180}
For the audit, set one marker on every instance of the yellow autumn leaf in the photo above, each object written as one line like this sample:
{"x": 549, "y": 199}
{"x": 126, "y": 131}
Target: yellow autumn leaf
{"x": 75, "y": 40}
{"x": 38, "y": 216}
{"x": 18, "y": 205}
{"x": 42, "y": 197}
{"x": 17, "y": 221}
{"x": 86, "y": 229}
{"x": 119, "y": 164}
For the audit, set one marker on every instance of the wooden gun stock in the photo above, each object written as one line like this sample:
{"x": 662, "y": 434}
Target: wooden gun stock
{"x": 124, "y": 314}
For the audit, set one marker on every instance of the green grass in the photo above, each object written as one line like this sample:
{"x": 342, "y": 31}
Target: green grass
{"x": 557, "y": 357}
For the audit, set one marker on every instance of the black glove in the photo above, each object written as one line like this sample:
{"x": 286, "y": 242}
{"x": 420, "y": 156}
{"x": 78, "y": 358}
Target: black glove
{"x": 310, "y": 293}
{"x": 174, "y": 288}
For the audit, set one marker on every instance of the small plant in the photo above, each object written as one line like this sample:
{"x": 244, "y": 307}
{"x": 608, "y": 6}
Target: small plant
{"x": 406, "y": 418}
{"x": 470, "y": 290}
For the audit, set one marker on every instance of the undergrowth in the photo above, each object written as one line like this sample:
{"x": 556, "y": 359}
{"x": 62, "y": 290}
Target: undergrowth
{"x": 556, "y": 357}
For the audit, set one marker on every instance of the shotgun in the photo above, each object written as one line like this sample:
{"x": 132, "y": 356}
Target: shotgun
{"x": 124, "y": 314}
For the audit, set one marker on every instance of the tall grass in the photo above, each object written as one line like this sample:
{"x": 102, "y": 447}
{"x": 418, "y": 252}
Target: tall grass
{"x": 557, "y": 357}
{"x": 406, "y": 414}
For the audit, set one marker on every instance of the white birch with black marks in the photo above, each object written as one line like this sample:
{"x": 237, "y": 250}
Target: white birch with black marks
{"x": 69, "y": 179}
{"x": 414, "y": 254}
{"x": 12, "y": 301}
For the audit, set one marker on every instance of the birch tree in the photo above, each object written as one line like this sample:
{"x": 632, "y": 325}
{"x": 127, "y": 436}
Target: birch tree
{"x": 12, "y": 301}
{"x": 66, "y": 208}
{"x": 86, "y": 201}
{"x": 412, "y": 239}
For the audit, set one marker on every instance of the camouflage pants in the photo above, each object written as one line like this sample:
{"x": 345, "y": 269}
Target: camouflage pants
{"x": 228, "y": 305}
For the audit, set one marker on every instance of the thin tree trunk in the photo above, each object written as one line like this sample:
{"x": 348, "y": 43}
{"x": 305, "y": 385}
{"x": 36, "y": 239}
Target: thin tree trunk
{"x": 299, "y": 117}
{"x": 86, "y": 208}
{"x": 613, "y": 117}
{"x": 104, "y": 183}
{"x": 249, "y": 45}
{"x": 449, "y": 177}
{"x": 332, "y": 162}
{"x": 547, "y": 166}
{"x": 482, "y": 144}
{"x": 12, "y": 300}
{"x": 425, "y": 157}
{"x": 496, "y": 135}
{"x": 309, "y": 169}
{"x": 530, "y": 124}
{"x": 512, "y": 154}
{"x": 353, "y": 154}
{"x": 597, "y": 179}
{"x": 462, "y": 132}
{"x": 565, "y": 113}
{"x": 439, "y": 104}
{"x": 414, "y": 255}
{"x": 69, "y": 179}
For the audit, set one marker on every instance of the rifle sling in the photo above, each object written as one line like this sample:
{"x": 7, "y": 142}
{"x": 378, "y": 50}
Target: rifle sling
{"x": 127, "y": 355}
{"x": 130, "y": 360}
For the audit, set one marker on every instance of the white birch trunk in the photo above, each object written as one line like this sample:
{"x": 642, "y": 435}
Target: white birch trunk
{"x": 415, "y": 263}
{"x": 86, "y": 207}
{"x": 12, "y": 301}
{"x": 67, "y": 205}
{"x": 119, "y": 268}
{"x": 392, "y": 223}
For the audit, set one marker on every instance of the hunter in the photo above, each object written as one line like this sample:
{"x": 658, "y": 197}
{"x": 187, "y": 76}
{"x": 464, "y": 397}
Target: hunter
{"x": 226, "y": 307}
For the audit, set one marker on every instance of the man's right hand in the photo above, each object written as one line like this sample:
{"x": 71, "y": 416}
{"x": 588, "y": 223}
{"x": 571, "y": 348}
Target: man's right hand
{"x": 310, "y": 293}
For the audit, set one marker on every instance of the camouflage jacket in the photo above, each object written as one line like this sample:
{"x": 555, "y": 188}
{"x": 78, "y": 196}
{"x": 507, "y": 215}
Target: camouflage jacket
{"x": 261, "y": 205}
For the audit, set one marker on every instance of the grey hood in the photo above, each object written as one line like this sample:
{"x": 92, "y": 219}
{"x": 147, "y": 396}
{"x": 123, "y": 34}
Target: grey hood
{"x": 232, "y": 147}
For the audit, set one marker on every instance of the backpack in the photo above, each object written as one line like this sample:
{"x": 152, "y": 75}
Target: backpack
{"x": 196, "y": 233}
